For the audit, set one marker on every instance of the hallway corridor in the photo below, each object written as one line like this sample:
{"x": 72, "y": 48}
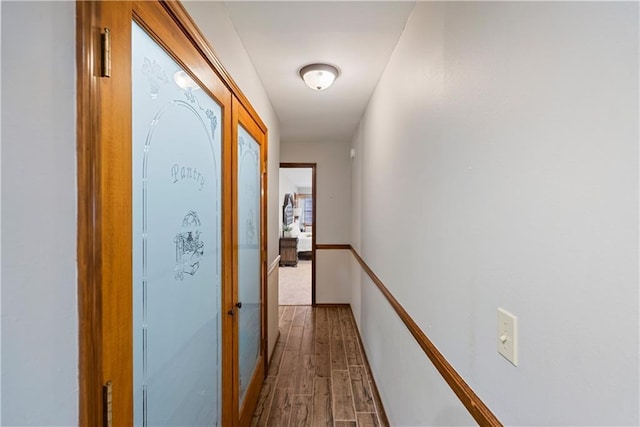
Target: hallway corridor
{"x": 318, "y": 376}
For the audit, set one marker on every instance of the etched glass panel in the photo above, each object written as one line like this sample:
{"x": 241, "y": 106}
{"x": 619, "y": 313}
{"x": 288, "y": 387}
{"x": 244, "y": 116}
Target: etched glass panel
{"x": 248, "y": 256}
{"x": 176, "y": 243}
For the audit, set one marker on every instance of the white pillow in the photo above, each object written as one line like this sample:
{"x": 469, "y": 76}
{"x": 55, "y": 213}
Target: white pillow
{"x": 295, "y": 230}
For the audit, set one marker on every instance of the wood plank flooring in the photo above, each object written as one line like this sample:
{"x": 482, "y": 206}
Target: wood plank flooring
{"x": 318, "y": 375}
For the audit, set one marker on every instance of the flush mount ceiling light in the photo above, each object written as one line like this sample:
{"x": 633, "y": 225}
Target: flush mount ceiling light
{"x": 319, "y": 76}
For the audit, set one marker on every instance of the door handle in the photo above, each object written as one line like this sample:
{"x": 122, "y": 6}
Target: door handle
{"x": 231, "y": 312}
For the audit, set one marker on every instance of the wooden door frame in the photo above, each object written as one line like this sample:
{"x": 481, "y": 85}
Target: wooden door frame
{"x": 103, "y": 208}
{"x": 89, "y": 277}
{"x": 240, "y": 117}
{"x": 313, "y": 167}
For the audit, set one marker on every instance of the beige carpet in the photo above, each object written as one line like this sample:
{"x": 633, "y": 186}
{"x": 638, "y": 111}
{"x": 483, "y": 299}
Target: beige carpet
{"x": 295, "y": 284}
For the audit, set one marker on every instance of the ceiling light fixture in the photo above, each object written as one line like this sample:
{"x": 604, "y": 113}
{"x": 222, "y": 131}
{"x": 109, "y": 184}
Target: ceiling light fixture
{"x": 319, "y": 76}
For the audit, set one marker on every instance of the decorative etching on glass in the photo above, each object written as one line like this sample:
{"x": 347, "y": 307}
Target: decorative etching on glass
{"x": 155, "y": 75}
{"x": 249, "y": 152}
{"x": 177, "y": 244}
{"x": 213, "y": 119}
{"x": 251, "y": 228}
{"x": 178, "y": 173}
{"x": 189, "y": 247}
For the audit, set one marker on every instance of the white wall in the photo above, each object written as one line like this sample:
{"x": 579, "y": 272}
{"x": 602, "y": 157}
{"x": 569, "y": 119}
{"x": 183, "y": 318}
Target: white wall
{"x": 333, "y": 211}
{"x": 39, "y": 293}
{"x": 214, "y": 22}
{"x": 272, "y": 314}
{"x": 333, "y": 276}
{"x": 333, "y": 186}
{"x": 356, "y": 223}
{"x": 507, "y": 135}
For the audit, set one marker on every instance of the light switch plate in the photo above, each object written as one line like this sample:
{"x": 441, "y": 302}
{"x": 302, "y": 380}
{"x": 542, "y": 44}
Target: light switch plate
{"x": 508, "y": 336}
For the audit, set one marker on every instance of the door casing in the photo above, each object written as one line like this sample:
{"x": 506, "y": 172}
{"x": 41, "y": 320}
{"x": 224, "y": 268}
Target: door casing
{"x": 313, "y": 167}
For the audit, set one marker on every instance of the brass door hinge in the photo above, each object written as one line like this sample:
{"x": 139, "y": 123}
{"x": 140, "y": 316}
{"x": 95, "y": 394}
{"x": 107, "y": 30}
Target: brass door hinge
{"x": 105, "y": 39}
{"x": 107, "y": 404}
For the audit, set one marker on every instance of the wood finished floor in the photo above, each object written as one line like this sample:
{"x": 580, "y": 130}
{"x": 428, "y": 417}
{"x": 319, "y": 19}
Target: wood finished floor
{"x": 318, "y": 375}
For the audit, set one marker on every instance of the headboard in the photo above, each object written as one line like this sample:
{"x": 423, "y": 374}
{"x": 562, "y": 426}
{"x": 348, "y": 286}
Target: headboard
{"x": 287, "y": 209}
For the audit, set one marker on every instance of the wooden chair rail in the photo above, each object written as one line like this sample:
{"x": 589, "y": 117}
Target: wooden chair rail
{"x": 476, "y": 407}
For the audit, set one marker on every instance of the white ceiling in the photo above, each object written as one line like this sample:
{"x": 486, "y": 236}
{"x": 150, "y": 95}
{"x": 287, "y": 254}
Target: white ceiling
{"x": 281, "y": 37}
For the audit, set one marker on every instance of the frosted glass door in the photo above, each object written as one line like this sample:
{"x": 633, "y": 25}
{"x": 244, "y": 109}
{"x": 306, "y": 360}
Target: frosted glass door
{"x": 249, "y": 277}
{"x": 177, "y": 251}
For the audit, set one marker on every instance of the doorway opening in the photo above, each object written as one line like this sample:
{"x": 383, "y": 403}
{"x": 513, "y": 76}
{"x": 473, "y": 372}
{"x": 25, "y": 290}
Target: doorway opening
{"x": 298, "y": 229}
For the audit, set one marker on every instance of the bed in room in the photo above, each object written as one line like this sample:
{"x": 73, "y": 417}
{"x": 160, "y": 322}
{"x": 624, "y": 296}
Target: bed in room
{"x": 305, "y": 241}
{"x": 304, "y": 245}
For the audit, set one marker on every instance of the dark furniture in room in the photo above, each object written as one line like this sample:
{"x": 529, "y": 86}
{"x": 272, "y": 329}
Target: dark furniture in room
{"x": 289, "y": 251}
